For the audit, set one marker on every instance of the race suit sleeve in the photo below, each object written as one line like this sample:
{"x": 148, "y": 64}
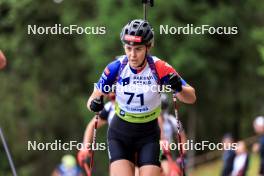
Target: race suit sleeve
{"x": 164, "y": 69}
{"x": 108, "y": 77}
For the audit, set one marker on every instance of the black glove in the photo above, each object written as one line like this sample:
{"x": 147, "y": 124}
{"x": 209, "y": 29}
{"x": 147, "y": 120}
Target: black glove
{"x": 97, "y": 104}
{"x": 175, "y": 82}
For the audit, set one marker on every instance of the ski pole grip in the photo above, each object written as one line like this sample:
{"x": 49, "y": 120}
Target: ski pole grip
{"x": 150, "y": 2}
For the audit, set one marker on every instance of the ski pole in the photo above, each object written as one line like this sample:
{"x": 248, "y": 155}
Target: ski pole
{"x": 87, "y": 170}
{"x": 94, "y": 140}
{"x": 145, "y": 3}
{"x": 8, "y": 153}
{"x": 176, "y": 107}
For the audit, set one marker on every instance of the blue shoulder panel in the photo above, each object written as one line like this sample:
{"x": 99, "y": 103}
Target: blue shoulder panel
{"x": 108, "y": 77}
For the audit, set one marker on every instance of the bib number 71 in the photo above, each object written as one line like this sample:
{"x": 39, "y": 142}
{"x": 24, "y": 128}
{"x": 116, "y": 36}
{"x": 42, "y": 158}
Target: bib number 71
{"x": 131, "y": 96}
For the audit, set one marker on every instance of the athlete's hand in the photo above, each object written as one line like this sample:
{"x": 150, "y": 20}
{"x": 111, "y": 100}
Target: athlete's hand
{"x": 97, "y": 104}
{"x": 84, "y": 156}
{"x": 175, "y": 82}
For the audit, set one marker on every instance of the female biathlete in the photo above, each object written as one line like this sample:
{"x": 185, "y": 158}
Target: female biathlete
{"x": 134, "y": 134}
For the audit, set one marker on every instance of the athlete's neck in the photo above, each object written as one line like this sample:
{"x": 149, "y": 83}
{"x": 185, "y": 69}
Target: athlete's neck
{"x": 141, "y": 66}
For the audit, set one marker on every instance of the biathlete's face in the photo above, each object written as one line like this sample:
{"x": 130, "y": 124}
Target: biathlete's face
{"x": 136, "y": 54}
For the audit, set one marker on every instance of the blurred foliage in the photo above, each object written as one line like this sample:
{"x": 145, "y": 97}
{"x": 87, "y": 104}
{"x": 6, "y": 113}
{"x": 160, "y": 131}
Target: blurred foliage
{"x": 44, "y": 89}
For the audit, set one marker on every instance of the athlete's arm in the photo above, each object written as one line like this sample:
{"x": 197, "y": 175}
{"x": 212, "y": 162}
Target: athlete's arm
{"x": 88, "y": 135}
{"x": 105, "y": 82}
{"x": 165, "y": 71}
{"x": 187, "y": 95}
{"x": 184, "y": 92}
{"x": 85, "y": 152}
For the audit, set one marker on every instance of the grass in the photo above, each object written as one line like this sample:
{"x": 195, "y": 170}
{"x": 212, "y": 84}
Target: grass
{"x": 214, "y": 168}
